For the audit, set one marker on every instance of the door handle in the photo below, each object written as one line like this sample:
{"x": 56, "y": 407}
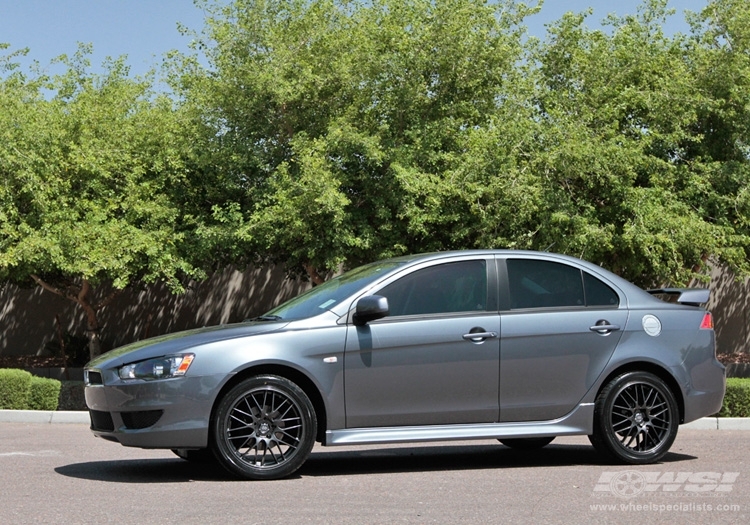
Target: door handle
{"x": 604, "y": 327}
{"x": 478, "y": 337}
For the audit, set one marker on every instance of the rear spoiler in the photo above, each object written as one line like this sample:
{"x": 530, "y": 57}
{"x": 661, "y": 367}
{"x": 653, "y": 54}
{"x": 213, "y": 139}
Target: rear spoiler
{"x": 688, "y": 296}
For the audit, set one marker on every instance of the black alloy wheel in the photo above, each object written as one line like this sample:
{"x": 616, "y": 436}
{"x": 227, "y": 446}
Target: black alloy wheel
{"x": 263, "y": 428}
{"x": 635, "y": 419}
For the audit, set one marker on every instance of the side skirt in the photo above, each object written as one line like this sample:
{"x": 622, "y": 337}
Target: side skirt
{"x": 578, "y": 422}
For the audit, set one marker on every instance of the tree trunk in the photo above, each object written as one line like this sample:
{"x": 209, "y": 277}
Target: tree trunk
{"x": 92, "y": 320}
{"x": 82, "y": 295}
{"x": 315, "y": 277}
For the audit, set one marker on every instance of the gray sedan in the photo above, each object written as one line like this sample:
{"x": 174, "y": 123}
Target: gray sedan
{"x": 517, "y": 346}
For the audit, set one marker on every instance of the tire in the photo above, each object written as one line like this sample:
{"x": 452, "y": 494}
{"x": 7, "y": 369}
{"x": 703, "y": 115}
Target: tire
{"x": 263, "y": 428}
{"x": 527, "y": 443}
{"x": 203, "y": 455}
{"x": 635, "y": 419}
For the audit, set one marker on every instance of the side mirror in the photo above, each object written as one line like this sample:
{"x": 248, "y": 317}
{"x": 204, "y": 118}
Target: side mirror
{"x": 369, "y": 309}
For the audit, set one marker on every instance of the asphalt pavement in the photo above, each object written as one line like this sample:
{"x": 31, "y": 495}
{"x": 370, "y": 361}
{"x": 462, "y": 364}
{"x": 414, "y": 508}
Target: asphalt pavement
{"x": 60, "y": 473}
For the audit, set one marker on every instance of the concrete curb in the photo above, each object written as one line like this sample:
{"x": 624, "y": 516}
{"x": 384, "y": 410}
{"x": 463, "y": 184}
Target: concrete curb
{"x": 719, "y": 423}
{"x": 44, "y": 416}
{"x": 82, "y": 417}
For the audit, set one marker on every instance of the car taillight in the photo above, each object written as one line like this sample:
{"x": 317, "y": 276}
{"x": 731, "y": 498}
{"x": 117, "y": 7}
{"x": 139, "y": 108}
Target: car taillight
{"x": 708, "y": 322}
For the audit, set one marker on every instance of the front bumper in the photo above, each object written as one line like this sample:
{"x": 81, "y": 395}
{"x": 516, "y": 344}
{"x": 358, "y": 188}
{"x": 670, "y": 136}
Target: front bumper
{"x": 170, "y": 413}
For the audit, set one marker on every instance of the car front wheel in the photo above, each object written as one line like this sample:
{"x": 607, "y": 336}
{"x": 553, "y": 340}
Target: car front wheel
{"x": 263, "y": 428}
{"x": 635, "y": 419}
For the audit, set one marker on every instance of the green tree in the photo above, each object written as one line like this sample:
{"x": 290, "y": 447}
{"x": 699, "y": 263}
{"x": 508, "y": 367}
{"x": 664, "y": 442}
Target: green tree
{"x": 89, "y": 169}
{"x": 350, "y": 131}
{"x": 630, "y": 180}
{"x": 344, "y": 122}
{"x": 720, "y": 63}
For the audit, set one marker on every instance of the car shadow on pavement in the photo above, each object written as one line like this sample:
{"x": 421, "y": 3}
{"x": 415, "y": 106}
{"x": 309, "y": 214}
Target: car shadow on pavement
{"x": 454, "y": 457}
{"x": 323, "y": 462}
{"x": 145, "y": 471}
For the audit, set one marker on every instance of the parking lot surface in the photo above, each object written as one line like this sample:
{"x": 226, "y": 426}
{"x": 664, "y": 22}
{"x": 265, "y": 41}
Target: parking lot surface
{"x": 61, "y": 473}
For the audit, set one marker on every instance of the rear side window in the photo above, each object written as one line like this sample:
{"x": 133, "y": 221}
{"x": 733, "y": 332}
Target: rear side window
{"x": 443, "y": 288}
{"x": 546, "y": 284}
{"x": 598, "y": 293}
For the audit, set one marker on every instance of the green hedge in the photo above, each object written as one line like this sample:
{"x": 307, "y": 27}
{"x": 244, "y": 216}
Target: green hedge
{"x": 19, "y": 390}
{"x": 15, "y": 389}
{"x": 45, "y": 393}
{"x": 737, "y": 398}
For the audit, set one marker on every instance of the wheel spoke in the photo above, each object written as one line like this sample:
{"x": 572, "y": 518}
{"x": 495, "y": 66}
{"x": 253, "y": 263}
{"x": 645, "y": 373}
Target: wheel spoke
{"x": 633, "y": 398}
{"x": 649, "y": 395}
{"x": 292, "y": 437}
{"x": 621, "y": 426}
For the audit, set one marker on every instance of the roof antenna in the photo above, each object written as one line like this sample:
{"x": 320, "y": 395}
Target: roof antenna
{"x": 550, "y": 246}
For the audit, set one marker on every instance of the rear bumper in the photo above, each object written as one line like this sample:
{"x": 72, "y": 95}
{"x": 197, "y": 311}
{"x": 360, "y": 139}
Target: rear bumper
{"x": 706, "y": 396}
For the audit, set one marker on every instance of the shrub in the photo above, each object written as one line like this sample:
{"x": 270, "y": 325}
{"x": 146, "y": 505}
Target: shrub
{"x": 19, "y": 390}
{"x": 15, "y": 388}
{"x": 45, "y": 394}
{"x": 737, "y": 398}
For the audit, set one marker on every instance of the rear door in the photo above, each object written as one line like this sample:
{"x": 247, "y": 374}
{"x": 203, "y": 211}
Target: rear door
{"x": 560, "y": 327}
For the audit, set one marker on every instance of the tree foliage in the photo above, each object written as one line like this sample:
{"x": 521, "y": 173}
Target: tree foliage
{"x": 88, "y": 169}
{"x": 357, "y": 130}
{"x": 627, "y": 151}
{"x": 325, "y": 133}
{"x": 342, "y": 116}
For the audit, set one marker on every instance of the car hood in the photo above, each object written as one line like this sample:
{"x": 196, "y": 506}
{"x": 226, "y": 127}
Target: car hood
{"x": 181, "y": 341}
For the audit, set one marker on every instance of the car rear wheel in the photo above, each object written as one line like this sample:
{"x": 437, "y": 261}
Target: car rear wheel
{"x": 635, "y": 419}
{"x": 263, "y": 428}
{"x": 527, "y": 443}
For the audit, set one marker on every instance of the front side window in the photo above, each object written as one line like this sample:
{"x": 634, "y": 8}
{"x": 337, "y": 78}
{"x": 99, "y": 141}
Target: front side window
{"x": 443, "y": 288}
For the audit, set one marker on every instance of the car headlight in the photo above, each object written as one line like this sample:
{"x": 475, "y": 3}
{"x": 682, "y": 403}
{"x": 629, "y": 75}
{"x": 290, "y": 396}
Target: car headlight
{"x": 157, "y": 368}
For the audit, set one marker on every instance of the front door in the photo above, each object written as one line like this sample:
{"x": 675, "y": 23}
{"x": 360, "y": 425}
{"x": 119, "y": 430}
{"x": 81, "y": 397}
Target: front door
{"x": 421, "y": 365}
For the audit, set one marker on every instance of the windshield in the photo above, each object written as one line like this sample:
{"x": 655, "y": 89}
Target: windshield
{"x": 327, "y": 295}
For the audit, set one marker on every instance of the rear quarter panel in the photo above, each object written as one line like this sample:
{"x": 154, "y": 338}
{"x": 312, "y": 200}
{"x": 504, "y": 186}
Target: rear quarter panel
{"x": 682, "y": 349}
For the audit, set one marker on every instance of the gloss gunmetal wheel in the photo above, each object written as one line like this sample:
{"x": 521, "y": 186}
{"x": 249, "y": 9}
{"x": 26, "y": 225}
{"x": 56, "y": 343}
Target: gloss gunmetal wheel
{"x": 636, "y": 418}
{"x": 264, "y": 428}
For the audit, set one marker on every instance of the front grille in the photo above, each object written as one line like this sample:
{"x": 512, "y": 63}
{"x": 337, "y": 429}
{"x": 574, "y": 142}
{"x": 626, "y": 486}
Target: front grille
{"x": 94, "y": 378}
{"x": 143, "y": 419}
{"x": 101, "y": 421}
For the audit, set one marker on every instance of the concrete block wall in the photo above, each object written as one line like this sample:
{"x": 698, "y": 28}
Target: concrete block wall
{"x": 27, "y": 316}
